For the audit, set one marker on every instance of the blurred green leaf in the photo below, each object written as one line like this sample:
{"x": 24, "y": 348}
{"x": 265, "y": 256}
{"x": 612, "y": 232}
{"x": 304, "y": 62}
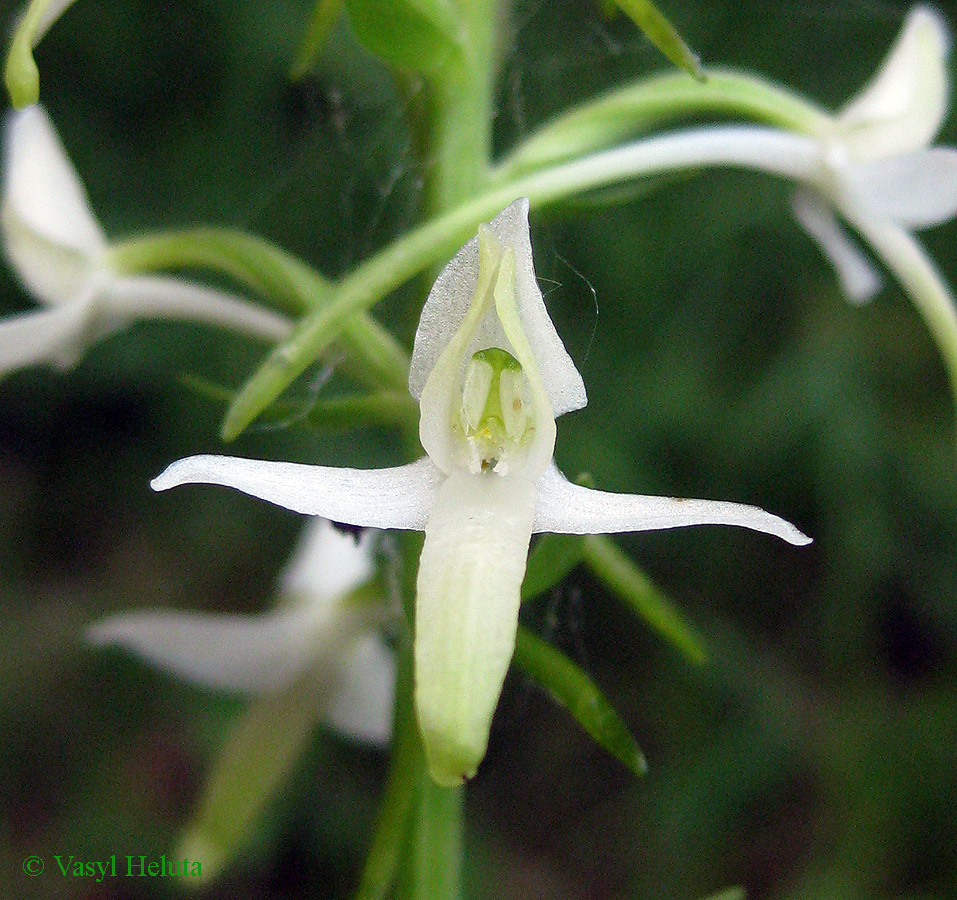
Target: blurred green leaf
{"x": 615, "y": 568}
{"x": 552, "y": 558}
{"x": 417, "y": 35}
{"x": 574, "y": 689}
{"x": 731, "y": 893}
{"x": 324, "y": 16}
{"x": 662, "y": 34}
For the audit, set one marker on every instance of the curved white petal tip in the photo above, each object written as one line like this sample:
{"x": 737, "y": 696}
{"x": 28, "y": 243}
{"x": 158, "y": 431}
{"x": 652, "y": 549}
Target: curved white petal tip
{"x": 400, "y": 497}
{"x": 859, "y": 279}
{"x": 567, "y": 508}
{"x": 902, "y": 107}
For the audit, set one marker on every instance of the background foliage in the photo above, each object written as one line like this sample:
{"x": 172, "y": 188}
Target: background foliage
{"x": 812, "y": 757}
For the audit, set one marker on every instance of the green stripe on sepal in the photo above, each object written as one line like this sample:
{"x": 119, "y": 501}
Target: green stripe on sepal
{"x": 662, "y": 34}
{"x": 612, "y": 566}
{"x": 574, "y": 689}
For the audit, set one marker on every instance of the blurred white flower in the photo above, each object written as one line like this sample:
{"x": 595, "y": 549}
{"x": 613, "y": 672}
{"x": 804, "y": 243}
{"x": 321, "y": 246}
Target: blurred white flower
{"x": 879, "y": 169}
{"x": 55, "y": 245}
{"x": 325, "y": 630}
{"x": 491, "y": 374}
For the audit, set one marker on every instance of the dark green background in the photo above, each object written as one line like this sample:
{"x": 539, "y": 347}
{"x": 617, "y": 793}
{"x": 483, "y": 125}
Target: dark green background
{"x": 814, "y": 756}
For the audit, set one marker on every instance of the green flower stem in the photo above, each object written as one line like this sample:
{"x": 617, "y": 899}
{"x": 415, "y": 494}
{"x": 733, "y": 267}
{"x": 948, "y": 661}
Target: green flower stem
{"x": 461, "y": 99}
{"x": 20, "y": 74}
{"x": 617, "y": 570}
{"x": 432, "y": 859}
{"x": 627, "y": 112}
{"x": 903, "y": 255}
{"x": 402, "y": 788}
{"x": 763, "y": 149}
{"x": 417, "y": 845}
{"x": 458, "y": 150}
{"x": 271, "y": 272}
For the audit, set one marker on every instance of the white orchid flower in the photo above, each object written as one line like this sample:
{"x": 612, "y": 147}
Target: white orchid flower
{"x": 879, "y": 170}
{"x": 491, "y": 374}
{"x": 323, "y": 631}
{"x": 56, "y": 247}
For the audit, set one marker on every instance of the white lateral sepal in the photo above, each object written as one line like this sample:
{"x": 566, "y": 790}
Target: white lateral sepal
{"x": 567, "y": 508}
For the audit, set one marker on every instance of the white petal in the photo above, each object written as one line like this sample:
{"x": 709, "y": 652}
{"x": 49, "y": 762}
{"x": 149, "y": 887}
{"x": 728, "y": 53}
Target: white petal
{"x": 49, "y": 232}
{"x": 375, "y": 498}
{"x": 153, "y": 297}
{"x": 451, "y": 297}
{"x": 45, "y": 336}
{"x": 254, "y": 654}
{"x": 359, "y": 704}
{"x": 902, "y": 107}
{"x": 859, "y": 279}
{"x": 916, "y": 190}
{"x": 327, "y": 562}
{"x": 566, "y": 508}
{"x": 470, "y": 575}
